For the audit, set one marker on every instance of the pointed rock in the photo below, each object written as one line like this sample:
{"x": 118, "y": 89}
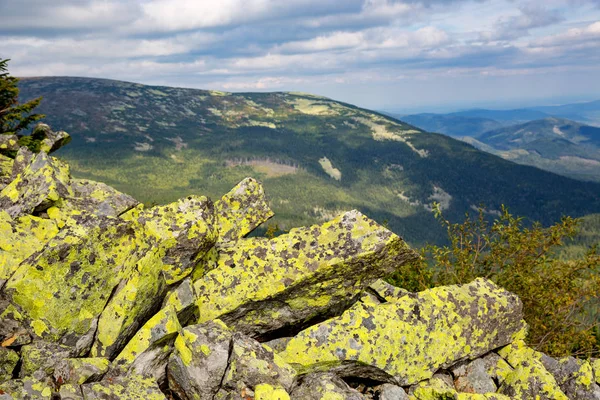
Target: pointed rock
{"x": 262, "y": 285}
{"x": 407, "y": 341}
{"x": 45, "y": 139}
{"x": 148, "y": 351}
{"x": 241, "y": 210}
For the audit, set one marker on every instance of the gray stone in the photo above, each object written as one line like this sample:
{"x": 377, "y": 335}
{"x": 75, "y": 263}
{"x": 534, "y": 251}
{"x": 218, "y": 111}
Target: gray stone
{"x": 318, "y": 386}
{"x": 473, "y": 378}
{"x": 388, "y": 391}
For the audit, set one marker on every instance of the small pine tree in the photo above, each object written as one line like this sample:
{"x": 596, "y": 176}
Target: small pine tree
{"x": 14, "y": 117}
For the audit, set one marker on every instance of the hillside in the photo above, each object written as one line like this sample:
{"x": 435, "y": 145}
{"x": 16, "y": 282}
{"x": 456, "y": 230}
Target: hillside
{"x": 558, "y": 145}
{"x": 452, "y": 125}
{"x": 315, "y": 156}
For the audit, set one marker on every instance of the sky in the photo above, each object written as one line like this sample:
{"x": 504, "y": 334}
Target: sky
{"x": 404, "y": 56}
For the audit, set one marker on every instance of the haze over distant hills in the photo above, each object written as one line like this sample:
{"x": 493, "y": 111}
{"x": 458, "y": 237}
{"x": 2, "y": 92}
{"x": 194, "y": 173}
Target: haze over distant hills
{"x": 315, "y": 156}
{"x": 539, "y": 136}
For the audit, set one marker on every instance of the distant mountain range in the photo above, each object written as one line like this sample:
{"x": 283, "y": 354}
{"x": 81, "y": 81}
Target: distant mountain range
{"x": 540, "y": 136}
{"x": 315, "y": 156}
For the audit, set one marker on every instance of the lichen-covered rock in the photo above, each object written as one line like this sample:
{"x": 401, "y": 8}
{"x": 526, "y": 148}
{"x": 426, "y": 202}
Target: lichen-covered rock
{"x": 9, "y": 145}
{"x": 6, "y": 166}
{"x": 264, "y": 391}
{"x": 496, "y": 367}
{"x": 26, "y": 389}
{"x": 22, "y": 160}
{"x": 406, "y": 341}
{"x": 59, "y": 293}
{"x": 387, "y": 391}
{"x": 182, "y": 299}
{"x": 70, "y": 392}
{"x": 440, "y": 388}
{"x": 8, "y": 361}
{"x": 20, "y": 238}
{"x": 386, "y": 292}
{"x": 261, "y": 285}
{"x": 200, "y": 359}
{"x": 250, "y": 364}
{"x": 473, "y": 377}
{"x": 148, "y": 351}
{"x": 130, "y": 387}
{"x": 42, "y": 184}
{"x": 173, "y": 238}
{"x": 44, "y": 139}
{"x": 596, "y": 367}
{"x": 90, "y": 198}
{"x": 529, "y": 378}
{"x": 575, "y": 377}
{"x": 324, "y": 386}
{"x": 77, "y": 371}
{"x": 241, "y": 210}
{"x": 39, "y": 359}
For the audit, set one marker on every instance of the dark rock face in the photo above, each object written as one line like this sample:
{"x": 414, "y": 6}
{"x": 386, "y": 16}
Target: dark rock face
{"x": 102, "y": 298}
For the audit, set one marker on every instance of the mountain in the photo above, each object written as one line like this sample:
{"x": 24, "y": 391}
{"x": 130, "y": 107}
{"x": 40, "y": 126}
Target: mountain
{"x": 452, "y": 125}
{"x": 315, "y": 156}
{"x": 558, "y": 145}
{"x": 506, "y": 116}
{"x": 585, "y": 112}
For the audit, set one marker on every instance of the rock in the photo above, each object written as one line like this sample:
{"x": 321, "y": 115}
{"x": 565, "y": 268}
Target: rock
{"x": 9, "y": 145}
{"x": 386, "y": 292}
{"x": 212, "y": 361}
{"x": 39, "y": 359}
{"x": 387, "y": 391}
{"x": 8, "y": 362}
{"x": 130, "y": 387}
{"x": 147, "y": 353}
{"x": 60, "y": 292}
{"x": 264, "y": 285}
{"x": 42, "y": 184}
{"x": 440, "y": 388}
{"x": 407, "y": 341}
{"x": 496, "y": 367}
{"x": 200, "y": 359}
{"x": 472, "y": 377}
{"x": 26, "y": 388}
{"x": 529, "y": 378}
{"x": 596, "y": 367}
{"x": 44, "y": 139}
{"x": 77, "y": 371}
{"x": 6, "y": 166}
{"x": 23, "y": 158}
{"x": 19, "y": 239}
{"x": 182, "y": 299}
{"x": 171, "y": 240}
{"x": 251, "y": 364}
{"x": 324, "y": 386}
{"x": 241, "y": 210}
{"x": 90, "y": 198}
{"x": 264, "y": 391}
{"x": 575, "y": 377}
{"x": 70, "y": 392}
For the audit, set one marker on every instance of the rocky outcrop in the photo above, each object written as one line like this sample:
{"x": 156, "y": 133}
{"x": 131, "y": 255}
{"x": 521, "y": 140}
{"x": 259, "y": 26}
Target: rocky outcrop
{"x": 103, "y": 298}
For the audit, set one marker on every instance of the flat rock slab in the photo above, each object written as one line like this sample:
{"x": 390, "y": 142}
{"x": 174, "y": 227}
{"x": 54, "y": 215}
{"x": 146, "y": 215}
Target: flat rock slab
{"x": 407, "y": 341}
{"x": 261, "y": 285}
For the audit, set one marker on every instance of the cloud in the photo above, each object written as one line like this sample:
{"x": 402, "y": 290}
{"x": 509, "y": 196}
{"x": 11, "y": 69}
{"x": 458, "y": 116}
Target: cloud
{"x": 298, "y": 44}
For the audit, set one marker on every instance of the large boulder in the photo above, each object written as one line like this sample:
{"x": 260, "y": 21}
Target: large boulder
{"x": 42, "y": 184}
{"x": 529, "y": 379}
{"x": 211, "y": 361}
{"x": 264, "y": 285}
{"x": 408, "y": 340}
